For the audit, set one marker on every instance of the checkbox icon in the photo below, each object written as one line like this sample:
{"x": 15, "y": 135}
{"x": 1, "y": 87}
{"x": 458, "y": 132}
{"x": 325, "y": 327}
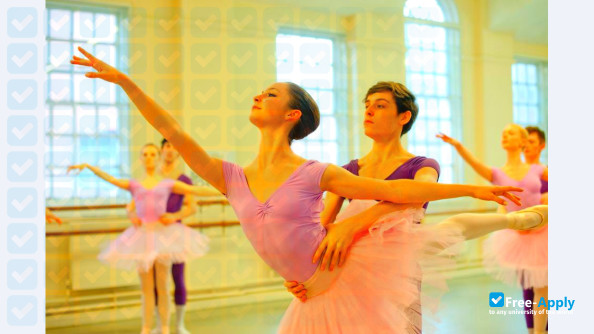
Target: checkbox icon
{"x": 22, "y": 58}
{"x": 21, "y": 238}
{"x": 22, "y": 166}
{"x": 22, "y": 94}
{"x": 22, "y": 310}
{"x": 22, "y": 202}
{"x": 22, "y": 22}
{"x": 22, "y": 274}
{"x": 496, "y": 299}
{"x": 21, "y": 130}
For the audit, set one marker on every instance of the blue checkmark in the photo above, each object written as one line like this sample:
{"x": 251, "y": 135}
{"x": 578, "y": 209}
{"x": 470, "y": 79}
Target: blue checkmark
{"x": 21, "y": 310}
{"x": 22, "y": 166}
{"x": 21, "y": 22}
{"x": 22, "y": 58}
{"x": 496, "y": 299}
{"x": 22, "y": 94}
{"x": 22, "y": 202}
{"x": 21, "y": 274}
{"x": 21, "y": 238}
{"x": 21, "y": 130}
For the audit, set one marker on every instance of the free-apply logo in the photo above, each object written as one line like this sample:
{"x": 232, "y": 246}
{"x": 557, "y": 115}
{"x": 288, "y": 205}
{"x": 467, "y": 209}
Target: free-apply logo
{"x": 496, "y": 299}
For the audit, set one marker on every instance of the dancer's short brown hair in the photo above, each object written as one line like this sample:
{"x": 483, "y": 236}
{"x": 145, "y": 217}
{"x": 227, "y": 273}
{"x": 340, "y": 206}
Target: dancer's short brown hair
{"x": 541, "y": 135}
{"x": 405, "y": 100}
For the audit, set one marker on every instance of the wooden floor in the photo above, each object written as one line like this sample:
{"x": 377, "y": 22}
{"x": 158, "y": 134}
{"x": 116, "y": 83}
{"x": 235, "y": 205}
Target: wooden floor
{"x": 465, "y": 309}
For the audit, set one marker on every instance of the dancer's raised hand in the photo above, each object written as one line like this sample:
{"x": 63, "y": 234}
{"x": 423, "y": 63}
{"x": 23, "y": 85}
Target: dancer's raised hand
{"x": 50, "y": 217}
{"x": 494, "y": 193}
{"x": 448, "y": 139}
{"x": 78, "y": 168}
{"x": 104, "y": 71}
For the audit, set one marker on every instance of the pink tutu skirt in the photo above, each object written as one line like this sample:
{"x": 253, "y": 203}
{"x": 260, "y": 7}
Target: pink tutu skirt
{"x": 377, "y": 289}
{"x": 142, "y": 246}
{"x": 519, "y": 258}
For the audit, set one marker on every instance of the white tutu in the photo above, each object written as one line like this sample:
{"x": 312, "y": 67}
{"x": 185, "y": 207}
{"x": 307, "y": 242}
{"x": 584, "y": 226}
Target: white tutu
{"x": 142, "y": 246}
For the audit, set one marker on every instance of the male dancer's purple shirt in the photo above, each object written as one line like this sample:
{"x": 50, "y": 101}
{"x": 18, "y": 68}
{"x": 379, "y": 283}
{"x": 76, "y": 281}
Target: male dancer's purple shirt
{"x": 407, "y": 170}
{"x": 176, "y": 201}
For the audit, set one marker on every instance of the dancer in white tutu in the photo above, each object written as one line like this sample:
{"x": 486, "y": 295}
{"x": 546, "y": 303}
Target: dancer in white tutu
{"x": 153, "y": 246}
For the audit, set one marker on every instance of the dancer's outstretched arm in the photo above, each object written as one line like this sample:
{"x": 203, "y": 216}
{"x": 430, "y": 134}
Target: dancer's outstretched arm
{"x": 340, "y": 236}
{"x": 479, "y": 167}
{"x": 121, "y": 183}
{"x": 184, "y": 188}
{"x": 207, "y": 167}
{"x": 345, "y": 184}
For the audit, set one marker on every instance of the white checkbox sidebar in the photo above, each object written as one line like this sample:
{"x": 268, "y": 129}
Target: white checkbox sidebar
{"x": 22, "y": 290}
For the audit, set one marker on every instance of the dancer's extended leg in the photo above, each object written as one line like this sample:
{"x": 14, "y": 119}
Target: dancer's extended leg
{"x": 474, "y": 225}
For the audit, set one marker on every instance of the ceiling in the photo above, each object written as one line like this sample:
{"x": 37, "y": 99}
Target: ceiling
{"x": 527, "y": 20}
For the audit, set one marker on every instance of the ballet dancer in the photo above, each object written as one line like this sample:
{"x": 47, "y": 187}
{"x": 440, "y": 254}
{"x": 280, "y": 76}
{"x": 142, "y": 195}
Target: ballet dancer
{"x": 278, "y": 200}
{"x": 516, "y": 257}
{"x": 534, "y": 147}
{"x": 178, "y": 207}
{"x": 152, "y": 247}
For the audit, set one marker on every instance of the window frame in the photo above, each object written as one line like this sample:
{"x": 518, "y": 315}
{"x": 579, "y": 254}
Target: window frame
{"x": 453, "y": 74}
{"x": 339, "y": 90}
{"x": 121, "y": 104}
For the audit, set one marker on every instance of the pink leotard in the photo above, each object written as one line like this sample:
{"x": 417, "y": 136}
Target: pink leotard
{"x": 151, "y": 203}
{"x": 531, "y": 184}
{"x": 285, "y": 230}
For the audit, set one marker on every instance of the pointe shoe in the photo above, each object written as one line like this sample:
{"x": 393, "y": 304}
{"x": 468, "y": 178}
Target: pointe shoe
{"x": 520, "y": 224}
{"x": 182, "y": 330}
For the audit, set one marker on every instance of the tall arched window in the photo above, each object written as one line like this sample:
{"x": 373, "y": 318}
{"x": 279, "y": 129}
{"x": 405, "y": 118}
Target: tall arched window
{"x": 433, "y": 75}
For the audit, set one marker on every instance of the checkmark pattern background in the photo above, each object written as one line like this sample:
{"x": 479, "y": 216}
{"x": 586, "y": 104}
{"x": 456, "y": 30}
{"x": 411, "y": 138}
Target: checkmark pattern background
{"x": 22, "y": 266}
{"x": 196, "y": 60}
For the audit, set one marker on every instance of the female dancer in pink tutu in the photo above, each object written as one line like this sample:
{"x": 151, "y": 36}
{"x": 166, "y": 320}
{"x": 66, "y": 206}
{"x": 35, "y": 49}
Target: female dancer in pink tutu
{"x": 152, "y": 247}
{"x": 278, "y": 199}
{"x": 516, "y": 257}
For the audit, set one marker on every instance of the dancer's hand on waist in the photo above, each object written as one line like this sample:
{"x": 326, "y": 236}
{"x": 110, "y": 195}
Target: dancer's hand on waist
{"x": 335, "y": 245}
{"x": 297, "y": 289}
{"x": 168, "y": 219}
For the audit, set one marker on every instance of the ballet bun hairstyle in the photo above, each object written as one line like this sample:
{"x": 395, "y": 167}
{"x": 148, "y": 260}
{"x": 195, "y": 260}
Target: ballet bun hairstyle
{"x": 310, "y": 114}
{"x": 405, "y": 100}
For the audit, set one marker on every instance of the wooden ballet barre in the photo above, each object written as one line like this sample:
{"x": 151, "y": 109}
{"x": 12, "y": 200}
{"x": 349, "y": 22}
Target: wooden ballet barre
{"x": 123, "y": 205}
{"x": 121, "y": 229}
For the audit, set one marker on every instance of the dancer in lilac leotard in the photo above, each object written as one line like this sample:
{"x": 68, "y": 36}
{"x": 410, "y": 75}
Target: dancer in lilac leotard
{"x": 151, "y": 246}
{"x": 285, "y": 112}
{"x": 518, "y": 257}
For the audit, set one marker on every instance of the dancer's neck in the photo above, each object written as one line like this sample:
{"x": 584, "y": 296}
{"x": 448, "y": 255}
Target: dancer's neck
{"x": 535, "y": 160}
{"x": 274, "y": 150}
{"x": 514, "y": 158}
{"x": 169, "y": 168}
{"x": 389, "y": 150}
